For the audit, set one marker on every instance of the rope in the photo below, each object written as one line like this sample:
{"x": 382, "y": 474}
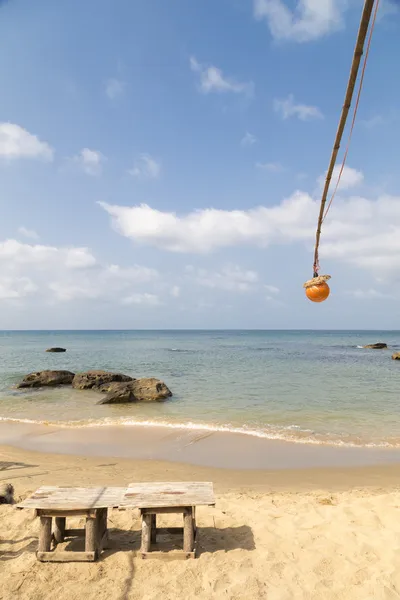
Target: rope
{"x": 358, "y": 52}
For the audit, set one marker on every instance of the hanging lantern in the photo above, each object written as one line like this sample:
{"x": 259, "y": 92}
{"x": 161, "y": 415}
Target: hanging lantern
{"x": 317, "y": 290}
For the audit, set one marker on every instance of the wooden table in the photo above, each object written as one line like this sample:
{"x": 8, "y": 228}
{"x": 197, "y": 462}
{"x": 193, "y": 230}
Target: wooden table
{"x": 153, "y": 499}
{"x": 62, "y": 502}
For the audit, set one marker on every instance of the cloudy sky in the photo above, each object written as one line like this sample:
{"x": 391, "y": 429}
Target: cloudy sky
{"x": 161, "y": 164}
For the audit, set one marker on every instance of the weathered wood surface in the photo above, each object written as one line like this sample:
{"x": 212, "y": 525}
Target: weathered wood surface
{"x": 66, "y": 556}
{"x": 146, "y": 533}
{"x": 44, "y": 534}
{"x": 74, "y": 498}
{"x": 188, "y": 532}
{"x": 168, "y": 494}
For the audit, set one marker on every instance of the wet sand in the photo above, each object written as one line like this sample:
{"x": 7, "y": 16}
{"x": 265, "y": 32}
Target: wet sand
{"x": 195, "y": 447}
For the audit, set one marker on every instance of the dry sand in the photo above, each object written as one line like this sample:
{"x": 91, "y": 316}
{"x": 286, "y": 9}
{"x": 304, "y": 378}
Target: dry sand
{"x": 281, "y": 535}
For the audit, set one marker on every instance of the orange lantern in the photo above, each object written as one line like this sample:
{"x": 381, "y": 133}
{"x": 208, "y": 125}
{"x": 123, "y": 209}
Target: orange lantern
{"x": 317, "y": 290}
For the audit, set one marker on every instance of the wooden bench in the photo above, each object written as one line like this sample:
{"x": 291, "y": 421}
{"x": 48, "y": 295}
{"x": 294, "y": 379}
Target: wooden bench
{"x": 62, "y": 502}
{"x": 153, "y": 499}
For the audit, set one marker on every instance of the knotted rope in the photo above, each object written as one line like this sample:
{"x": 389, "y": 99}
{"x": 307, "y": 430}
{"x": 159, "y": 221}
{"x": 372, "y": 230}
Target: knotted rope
{"x": 358, "y": 52}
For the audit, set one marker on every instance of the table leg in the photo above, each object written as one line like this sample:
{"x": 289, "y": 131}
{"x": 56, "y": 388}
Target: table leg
{"x": 153, "y": 537}
{"x": 45, "y": 534}
{"x": 59, "y": 529}
{"x": 91, "y": 534}
{"x": 146, "y": 533}
{"x": 188, "y": 531}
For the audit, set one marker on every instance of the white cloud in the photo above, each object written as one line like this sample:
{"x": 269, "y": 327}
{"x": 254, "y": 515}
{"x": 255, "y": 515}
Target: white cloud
{"x": 212, "y": 79}
{"x": 288, "y": 108}
{"x": 350, "y": 178}
{"x": 13, "y": 288}
{"x": 370, "y": 294}
{"x": 175, "y": 291}
{"x": 272, "y": 289}
{"x": 67, "y": 274}
{"x": 248, "y": 140}
{"x": 91, "y": 161}
{"x": 362, "y": 232}
{"x": 310, "y": 20}
{"x": 17, "y": 253}
{"x": 146, "y": 167}
{"x": 115, "y": 88}
{"x": 230, "y": 278}
{"x": 271, "y": 167}
{"x": 147, "y": 299}
{"x": 28, "y": 233}
{"x": 16, "y": 142}
{"x": 205, "y": 230}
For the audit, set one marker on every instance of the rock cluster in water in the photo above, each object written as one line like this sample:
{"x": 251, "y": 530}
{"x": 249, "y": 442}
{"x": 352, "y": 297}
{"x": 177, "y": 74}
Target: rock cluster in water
{"x": 118, "y": 388}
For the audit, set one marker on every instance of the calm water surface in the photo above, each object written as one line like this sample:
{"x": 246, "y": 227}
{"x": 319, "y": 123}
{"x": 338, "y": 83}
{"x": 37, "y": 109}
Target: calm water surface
{"x": 310, "y": 387}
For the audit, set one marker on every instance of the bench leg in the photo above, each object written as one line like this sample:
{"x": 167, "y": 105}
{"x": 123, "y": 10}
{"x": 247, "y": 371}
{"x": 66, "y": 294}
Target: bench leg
{"x": 45, "y": 534}
{"x": 188, "y": 530}
{"x": 59, "y": 529}
{"x": 146, "y": 533}
{"x": 153, "y": 536}
{"x": 91, "y": 535}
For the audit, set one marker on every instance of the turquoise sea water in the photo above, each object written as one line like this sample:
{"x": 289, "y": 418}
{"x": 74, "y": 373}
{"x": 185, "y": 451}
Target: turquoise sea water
{"x": 309, "y": 387}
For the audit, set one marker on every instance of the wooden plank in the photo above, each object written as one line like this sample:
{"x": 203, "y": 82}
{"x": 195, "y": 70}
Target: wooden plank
{"x": 74, "y": 498}
{"x": 82, "y": 512}
{"x": 169, "y": 510}
{"x": 167, "y": 556}
{"x": 44, "y": 534}
{"x": 165, "y": 494}
{"x": 66, "y": 556}
{"x": 74, "y": 533}
{"x": 170, "y": 531}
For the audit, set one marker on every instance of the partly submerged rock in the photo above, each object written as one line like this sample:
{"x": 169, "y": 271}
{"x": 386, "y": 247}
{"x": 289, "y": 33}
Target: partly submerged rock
{"x": 56, "y": 350}
{"x": 396, "y": 356}
{"x": 378, "y": 346}
{"x": 97, "y": 379}
{"x": 118, "y": 393}
{"x": 47, "y": 379}
{"x": 150, "y": 390}
{"x": 138, "y": 390}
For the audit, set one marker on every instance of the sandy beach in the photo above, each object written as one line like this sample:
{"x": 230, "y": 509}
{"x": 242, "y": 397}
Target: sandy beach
{"x": 279, "y": 534}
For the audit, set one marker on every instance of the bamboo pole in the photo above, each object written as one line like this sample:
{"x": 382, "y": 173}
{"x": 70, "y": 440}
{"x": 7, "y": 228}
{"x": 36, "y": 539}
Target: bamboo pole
{"x": 358, "y": 52}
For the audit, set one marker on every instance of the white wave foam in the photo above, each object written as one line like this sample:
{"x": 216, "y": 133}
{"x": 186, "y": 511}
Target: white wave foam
{"x": 291, "y": 433}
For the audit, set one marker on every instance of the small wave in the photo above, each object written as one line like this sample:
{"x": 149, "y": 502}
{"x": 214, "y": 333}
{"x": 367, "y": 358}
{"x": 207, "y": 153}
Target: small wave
{"x": 181, "y": 350}
{"x": 290, "y": 433}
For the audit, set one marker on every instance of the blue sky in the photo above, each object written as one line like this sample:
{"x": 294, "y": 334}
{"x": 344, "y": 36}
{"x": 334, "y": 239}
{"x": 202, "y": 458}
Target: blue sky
{"x": 161, "y": 164}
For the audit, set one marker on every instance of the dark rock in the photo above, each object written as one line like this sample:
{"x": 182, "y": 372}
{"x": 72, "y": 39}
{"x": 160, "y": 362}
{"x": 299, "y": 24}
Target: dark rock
{"x": 118, "y": 393}
{"x": 150, "y": 390}
{"x": 6, "y": 493}
{"x": 56, "y": 350}
{"x": 97, "y": 380}
{"x": 396, "y": 356}
{"x": 379, "y": 346}
{"x": 138, "y": 390}
{"x": 47, "y": 379}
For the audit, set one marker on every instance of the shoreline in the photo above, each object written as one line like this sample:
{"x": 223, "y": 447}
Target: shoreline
{"x": 210, "y": 449}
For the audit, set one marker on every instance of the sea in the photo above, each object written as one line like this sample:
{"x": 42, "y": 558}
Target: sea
{"x": 306, "y": 387}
